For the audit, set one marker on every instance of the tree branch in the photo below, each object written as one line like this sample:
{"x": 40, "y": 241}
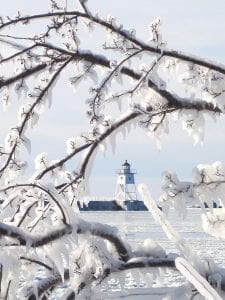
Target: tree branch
{"x": 47, "y": 191}
{"x": 124, "y": 33}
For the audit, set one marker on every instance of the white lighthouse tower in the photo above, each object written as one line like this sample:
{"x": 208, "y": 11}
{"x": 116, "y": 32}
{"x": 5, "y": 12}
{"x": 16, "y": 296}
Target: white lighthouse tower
{"x": 126, "y": 189}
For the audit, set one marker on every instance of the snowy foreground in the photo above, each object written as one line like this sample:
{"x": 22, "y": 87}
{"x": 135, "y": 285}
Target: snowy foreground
{"x": 135, "y": 227}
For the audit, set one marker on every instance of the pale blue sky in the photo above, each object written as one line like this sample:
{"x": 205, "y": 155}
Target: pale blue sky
{"x": 192, "y": 26}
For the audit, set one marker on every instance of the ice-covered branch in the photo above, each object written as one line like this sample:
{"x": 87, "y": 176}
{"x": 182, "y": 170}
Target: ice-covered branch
{"x": 23, "y": 75}
{"x": 37, "y": 262}
{"x": 11, "y": 57}
{"x": 26, "y": 19}
{"x": 173, "y": 99}
{"x": 206, "y": 187}
{"x": 160, "y": 218}
{"x": 26, "y": 239}
{"x": 63, "y": 160}
{"x": 122, "y": 32}
{"x": 106, "y": 232}
{"x": 199, "y": 282}
{"x": 21, "y": 127}
{"x": 52, "y": 196}
{"x": 143, "y": 262}
{"x": 96, "y": 229}
{"x": 46, "y": 284}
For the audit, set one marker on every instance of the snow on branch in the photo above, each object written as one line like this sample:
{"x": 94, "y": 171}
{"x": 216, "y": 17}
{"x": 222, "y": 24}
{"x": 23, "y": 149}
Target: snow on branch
{"x": 206, "y": 188}
{"x": 26, "y": 239}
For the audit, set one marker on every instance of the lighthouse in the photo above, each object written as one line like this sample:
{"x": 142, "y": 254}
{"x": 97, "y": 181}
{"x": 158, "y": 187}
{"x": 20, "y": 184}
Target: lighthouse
{"x": 125, "y": 198}
{"x": 126, "y": 189}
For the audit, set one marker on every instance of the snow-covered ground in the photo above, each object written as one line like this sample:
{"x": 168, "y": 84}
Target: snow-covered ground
{"x": 135, "y": 227}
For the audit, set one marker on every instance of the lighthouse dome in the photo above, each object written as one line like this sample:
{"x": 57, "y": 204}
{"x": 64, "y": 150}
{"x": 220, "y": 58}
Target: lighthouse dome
{"x": 126, "y": 164}
{"x": 126, "y": 167}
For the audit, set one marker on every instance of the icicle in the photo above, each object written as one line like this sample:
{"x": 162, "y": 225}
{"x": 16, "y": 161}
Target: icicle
{"x": 27, "y": 143}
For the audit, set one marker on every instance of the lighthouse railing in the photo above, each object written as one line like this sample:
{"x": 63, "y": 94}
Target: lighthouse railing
{"x": 121, "y": 171}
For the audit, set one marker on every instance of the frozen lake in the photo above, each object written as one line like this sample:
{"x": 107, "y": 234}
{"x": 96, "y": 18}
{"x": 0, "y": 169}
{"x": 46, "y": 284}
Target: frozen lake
{"x": 135, "y": 227}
